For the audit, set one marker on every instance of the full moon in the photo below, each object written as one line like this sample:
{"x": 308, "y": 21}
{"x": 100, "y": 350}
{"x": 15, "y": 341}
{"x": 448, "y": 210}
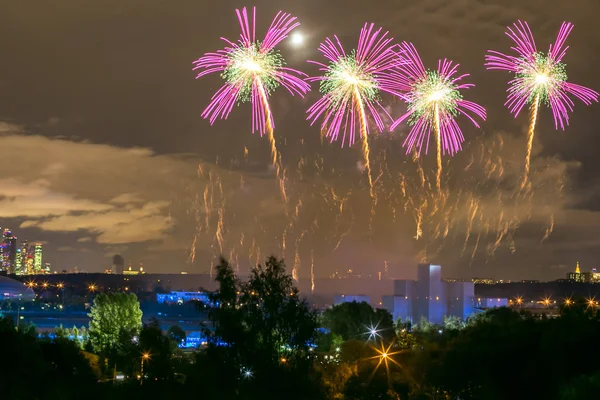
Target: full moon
{"x": 297, "y": 39}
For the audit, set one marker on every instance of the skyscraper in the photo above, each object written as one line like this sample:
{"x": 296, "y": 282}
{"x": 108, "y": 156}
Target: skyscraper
{"x": 26, "y": 258}
{"x": 37, "y": 259}
{"x": 19, "y": 263}
{"x": 9, "y": 251}
{"x": 118, "y": 264}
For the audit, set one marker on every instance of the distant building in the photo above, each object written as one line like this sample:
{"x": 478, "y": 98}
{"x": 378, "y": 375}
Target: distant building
{"x": 118, "y": 264}
{"x": 9, "y": 252}
{"x": 578, "y": 276}
{"x": 47, "y": 268}
{"x": 345, "y": 298}
{"x": 490, "y": 302}
{"x": 431, "y": 298}
{"x": 37, "y": 259}
{"x": 13, "y": 290}
{"x": 19, "y": 263}
{"x": 483, "y": 281}
{"x": 181, "y": 297}
{"x": 131, "y": 271}
{"x": 595, "y": 276}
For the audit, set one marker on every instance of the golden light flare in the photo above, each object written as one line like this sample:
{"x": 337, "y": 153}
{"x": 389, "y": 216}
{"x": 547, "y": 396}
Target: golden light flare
{"x": 384, "y": 356}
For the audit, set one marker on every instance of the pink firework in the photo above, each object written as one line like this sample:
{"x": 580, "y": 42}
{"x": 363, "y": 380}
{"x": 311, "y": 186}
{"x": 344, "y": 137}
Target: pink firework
{"x": 252, "y": 70}
{"x": 434, "y": 101}
{"x": 352, "y": 83}
{"x": 539, "y": 77}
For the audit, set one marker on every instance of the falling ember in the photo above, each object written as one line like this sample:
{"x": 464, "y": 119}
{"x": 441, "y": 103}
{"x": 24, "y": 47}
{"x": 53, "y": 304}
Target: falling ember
{"x": 296, "y": 265}
{"x": 419, "y": 219}
{"x": 283, "y": 242}
{"x": 312, "y": 271}
{"x": 219, "y": 232}
{"x": 549, "y": 230}
{"x": 193, "y": 249}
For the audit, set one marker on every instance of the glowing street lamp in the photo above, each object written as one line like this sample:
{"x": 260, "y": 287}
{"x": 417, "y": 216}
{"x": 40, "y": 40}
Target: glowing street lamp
{"x": 384, "y": 356}
{"x": 145, "y": 356}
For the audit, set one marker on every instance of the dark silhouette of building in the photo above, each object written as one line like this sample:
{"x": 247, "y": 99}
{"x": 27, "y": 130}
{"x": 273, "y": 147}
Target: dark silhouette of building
{"x": 118, "y": 264}
{"x": 9, "y": 252}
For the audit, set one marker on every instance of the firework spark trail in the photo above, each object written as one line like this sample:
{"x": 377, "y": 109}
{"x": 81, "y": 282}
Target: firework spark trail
{"x": 530, "y": 134}
{"x": 193, "y": 249}
{"x": 473, "y": 208}
{"x": 538, "y": 78}
{"x": 312, "y": 271}
{"x": 275, "y": 154}
{"x": 438, "y": 139}
{"x": 549, "y": 230}
{"x": 434, "y": 101}
{"x": 362, "y": 119}
{"x": 475, "y": 248}
{"x": 220, "y": 213}
{"x": 252, "y": 70}
{"x": 351, "y": 84}
{"x": 296, "y": 268}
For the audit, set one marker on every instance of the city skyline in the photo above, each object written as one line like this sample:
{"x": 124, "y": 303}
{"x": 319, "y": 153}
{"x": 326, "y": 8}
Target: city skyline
{"x": 119, "y": 160}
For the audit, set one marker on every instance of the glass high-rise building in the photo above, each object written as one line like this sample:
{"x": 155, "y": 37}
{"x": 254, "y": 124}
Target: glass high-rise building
{"x": 37, "y": 259}
{"x": 9, "y": 251}
{"x": 19, "y": 263}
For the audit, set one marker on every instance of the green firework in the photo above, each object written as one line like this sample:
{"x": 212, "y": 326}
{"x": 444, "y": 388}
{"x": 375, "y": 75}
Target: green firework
{"x": 541, "y": 76}
{"x": 431, "y": 91}
{"x": 247, "y": 64}
{"x": 345, "y": 76}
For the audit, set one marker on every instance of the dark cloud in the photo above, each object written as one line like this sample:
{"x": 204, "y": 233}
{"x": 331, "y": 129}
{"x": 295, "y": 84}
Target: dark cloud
{"x": 138, "y": 171}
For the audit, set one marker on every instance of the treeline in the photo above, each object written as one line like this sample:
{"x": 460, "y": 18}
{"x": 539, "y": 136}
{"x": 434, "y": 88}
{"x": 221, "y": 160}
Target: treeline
{"x": 265, "y": 342}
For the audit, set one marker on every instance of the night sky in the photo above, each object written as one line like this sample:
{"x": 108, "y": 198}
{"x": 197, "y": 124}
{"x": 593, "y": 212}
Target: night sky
{"x": 104, "y": 150}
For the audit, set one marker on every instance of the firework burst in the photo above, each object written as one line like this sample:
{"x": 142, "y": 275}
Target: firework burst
{"x": 434, "y": 101}
{"x": 252, "y": 70}
{"x": 540, "y": 78}
{"x": 352, "y": 83}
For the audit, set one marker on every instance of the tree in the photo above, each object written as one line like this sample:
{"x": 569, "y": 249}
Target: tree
{"x": 110, "y": 314}
{"x": 355, "y": 320}
{"x": 80, "y": 336}
{"x": 259, "y": 336}
{"x": 160, "y": 350}
{"x": 176, "y": 334}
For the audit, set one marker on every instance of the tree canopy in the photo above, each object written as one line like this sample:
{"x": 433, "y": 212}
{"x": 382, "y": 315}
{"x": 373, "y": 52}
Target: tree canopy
{"x": 111, "y": 314}
{"x": 358, "y": 321}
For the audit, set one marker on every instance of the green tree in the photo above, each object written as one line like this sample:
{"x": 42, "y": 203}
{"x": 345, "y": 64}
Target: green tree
{"x": 110, "y": 314}
{"x": 80, "y": 336}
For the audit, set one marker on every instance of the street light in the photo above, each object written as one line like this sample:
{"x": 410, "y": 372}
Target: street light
{"x": 145, "y": 356}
